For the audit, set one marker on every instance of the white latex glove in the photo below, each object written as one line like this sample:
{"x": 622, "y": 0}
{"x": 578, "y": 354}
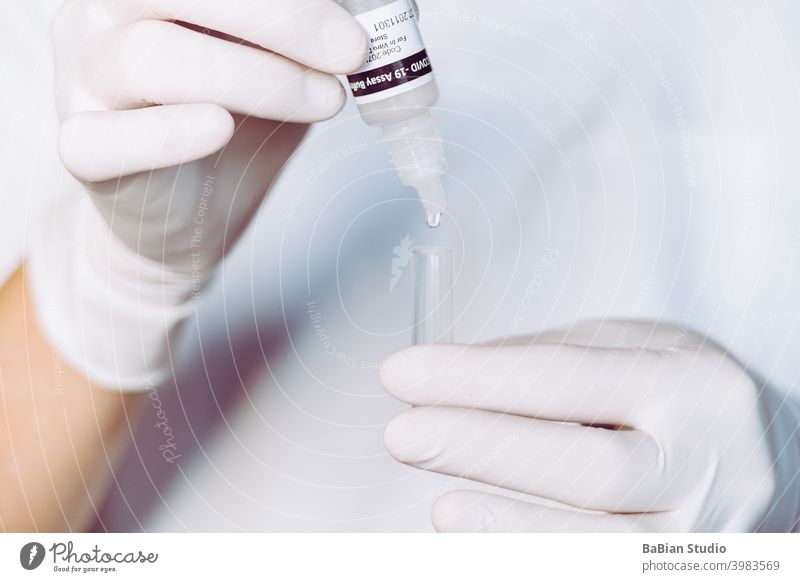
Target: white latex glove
{"x": 703, "y": 448}
{"x": 174, "y": 133}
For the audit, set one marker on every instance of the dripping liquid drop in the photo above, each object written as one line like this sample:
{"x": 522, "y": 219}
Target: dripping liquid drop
{"x": 434, "y": 220}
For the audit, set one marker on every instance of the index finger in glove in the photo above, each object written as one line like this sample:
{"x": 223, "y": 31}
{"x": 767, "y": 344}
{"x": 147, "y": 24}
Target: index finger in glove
{"x": 155, "y": 62}
{"x": 317, "y": 33}
{"x": 547, "y": 381}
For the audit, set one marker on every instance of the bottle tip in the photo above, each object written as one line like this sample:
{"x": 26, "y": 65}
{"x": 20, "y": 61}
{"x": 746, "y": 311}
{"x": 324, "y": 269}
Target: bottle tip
{"x": 431, "y": 193}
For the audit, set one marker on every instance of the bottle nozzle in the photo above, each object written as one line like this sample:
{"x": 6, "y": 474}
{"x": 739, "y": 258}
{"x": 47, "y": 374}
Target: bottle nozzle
{"x": 431, "y": 193}
{"x": 417, "y": 153}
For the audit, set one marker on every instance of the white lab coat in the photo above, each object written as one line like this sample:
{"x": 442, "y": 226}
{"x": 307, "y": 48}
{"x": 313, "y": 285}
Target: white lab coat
{"x": 606, "y": 159}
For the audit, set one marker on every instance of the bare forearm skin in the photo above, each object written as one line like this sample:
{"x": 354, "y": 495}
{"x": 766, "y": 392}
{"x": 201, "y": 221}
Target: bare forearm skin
{"x": 59, "y": 435}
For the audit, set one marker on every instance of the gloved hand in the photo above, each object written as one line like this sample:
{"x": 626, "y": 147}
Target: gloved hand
{"x": 172, "y": 122}
{"x": 628, "y": 427}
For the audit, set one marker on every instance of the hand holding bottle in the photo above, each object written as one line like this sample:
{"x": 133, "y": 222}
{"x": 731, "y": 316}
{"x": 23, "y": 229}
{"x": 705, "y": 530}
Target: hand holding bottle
{"x": 174, "y": 125}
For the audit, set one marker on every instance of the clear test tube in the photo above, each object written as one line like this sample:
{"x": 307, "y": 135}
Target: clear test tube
{"x": 433, "y": 295}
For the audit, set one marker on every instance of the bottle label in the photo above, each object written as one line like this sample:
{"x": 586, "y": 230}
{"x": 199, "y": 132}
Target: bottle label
{"x": 398, "y": 61}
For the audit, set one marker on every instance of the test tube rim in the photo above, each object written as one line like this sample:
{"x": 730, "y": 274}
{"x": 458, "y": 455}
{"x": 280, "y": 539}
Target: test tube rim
{"x": 430, "y": 250}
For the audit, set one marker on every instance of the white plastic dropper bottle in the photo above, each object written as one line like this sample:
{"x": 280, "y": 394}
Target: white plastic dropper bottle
{"x": 395, "y": 91}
